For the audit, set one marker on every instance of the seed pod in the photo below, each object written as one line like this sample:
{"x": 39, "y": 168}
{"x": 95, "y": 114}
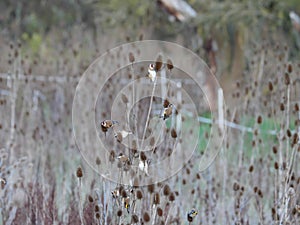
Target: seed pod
{"x": 166, "y": 190}
{"x": 158, "y": 63}
{"x": 290, "y": 68}
{"x": 156, "y": 199}
{"x": 270, "y": 86}
{"x": 251, "y": 168}
{"x": 90, "y": 199}
{"x": 172, "y": 197}
{"x": 169, "y": 64}
{"x": 146, "y": 217}
{"x": 259, "y": 119}
{"x": 131, "y": 57}
{"x": 159, "y": 211}
{"x": 79, "y": 173}
{"x": 124, "y": 99}
{"x": 173, "y": 133}
{"x": 276, "y": 165}
{"x": 134, "y": 218}
{"x": 287, "y": 79}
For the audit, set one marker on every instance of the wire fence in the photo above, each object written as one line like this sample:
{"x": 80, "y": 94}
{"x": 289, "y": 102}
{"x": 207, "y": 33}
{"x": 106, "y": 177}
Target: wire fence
{"x": 73, "y": 79}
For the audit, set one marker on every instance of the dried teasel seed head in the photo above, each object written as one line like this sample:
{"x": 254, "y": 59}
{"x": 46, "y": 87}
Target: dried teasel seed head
{"x": 96, "y": 208}
{"x": 79, "y": 172}
{"x": 288, "y": 133}
{"x": 251, "y": 168}
{"x": 295, "y": 138}
{"x": 124, "y": 193}
{"x": 290, "y": 68}
{"x": 259, "y": 119}
{"x": 119, "y": 213}
{"x": 134, "y": 218}
{"x": 282, "y": 107}
{"x": 255, "y": 189}
{"x": 274, "y": 148}
{"x": 260, "y": 194}
{"x": 158, "y": 63}
{"x": 146, "y": 217}
{"x": 166, "y": 190}
{"x": 276, "y": 166}
{"x": 156, "y": 198}
{"x": 296, "y": 107}
{"x": 169, "y": 64}
{"x": 287, "y": 80}
{"x": 91, "y": 199}
{"x": 236, "y": 186}
{"x": 97, "y": 215}
{"x": 173, "y": 133}
{"x": 159, "y": 211}
{"x": 124, "y": 99}
{"x": 98, "y": 161}
{"x": 143, "y": 156}
{"x": 151, "y": 188}
{"x": 188, "y": 171}
{"x": 131, "y": 57}
{"x": 152, "y": 141}
{"x": 139, "y": 194}
{"x": 112, "y": 156}
{"x": 172, "y": 197}
{"x": 284, "y": 165}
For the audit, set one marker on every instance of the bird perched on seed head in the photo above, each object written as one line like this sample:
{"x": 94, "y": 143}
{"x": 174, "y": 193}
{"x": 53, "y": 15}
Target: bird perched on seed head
{"x": 144, "y": 165}
{"x": 115, "y": 193}
{"x": 123, "y": 158}
{"x": 2, "y": 182}
{"x": 167, "y": 112}
{"x": 191, "y": 214}
{"x": 151, "y": 72}
{"x": 106, "y": 124}
{"x": 120, "y": 135}
{"x": 127, "y": 203}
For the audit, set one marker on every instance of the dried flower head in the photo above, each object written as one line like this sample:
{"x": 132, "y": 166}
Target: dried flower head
{"x": 169, "y": 64}
{"x": 79, "y": 172}
{"x": 131, "y": 57}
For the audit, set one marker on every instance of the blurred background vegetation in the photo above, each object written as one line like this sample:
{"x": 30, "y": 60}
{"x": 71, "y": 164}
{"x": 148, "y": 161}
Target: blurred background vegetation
{"x": 238, "y": 22}
{"x": 51, "y": 28}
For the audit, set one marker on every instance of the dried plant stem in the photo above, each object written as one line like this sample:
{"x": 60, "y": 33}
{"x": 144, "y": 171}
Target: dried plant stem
{"x": 80, "y": 209}
{"x": 170, "y": 210}
{"x": 149, "y": 111}
{"x": 287, "y": 118}
{"x": 153, "y": 214}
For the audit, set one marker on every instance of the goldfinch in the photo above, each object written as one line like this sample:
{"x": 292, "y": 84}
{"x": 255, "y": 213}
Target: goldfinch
{"x": 167, "y": 112}
{"x": 191, "y": 214}
{"x": 120, "y": 135}
{"x": 106, "y": 124}
{"x": 127, "y": 203}
{"x": 123, "y": 158}
{"x": 2, "y": 182}
{"x": 144, "y": 165}
{"x": 115, "y": 193}
{"x": 151, "y": 72}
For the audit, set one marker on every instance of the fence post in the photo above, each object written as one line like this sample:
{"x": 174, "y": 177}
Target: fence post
{"x": 221, "y": 109}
